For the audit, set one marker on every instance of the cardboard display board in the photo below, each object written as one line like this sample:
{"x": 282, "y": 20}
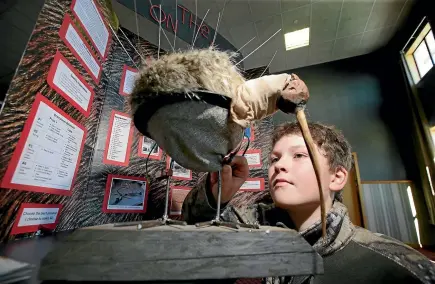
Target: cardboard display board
{"x": 86, "y": 160}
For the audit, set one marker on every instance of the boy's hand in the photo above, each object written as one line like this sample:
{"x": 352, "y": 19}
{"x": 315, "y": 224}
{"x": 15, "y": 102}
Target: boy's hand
{"x": 233, "y": 176}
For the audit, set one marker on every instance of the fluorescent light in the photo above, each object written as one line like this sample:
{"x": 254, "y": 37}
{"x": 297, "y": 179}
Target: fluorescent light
{"x": 411, "y": 202}
{"x": 297, "y": 39}
{"x": 430, "y": 180}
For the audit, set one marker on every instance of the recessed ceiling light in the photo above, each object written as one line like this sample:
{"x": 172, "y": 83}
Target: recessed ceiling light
{"x": 297, "y": 39}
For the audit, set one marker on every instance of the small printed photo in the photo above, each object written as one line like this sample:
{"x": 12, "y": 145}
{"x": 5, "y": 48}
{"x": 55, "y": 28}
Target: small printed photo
{"x": 146, "y": 146}
{"x": 179, "y": 172}
{"x": 125, "y": 194}
{"x": 178, "y": 194}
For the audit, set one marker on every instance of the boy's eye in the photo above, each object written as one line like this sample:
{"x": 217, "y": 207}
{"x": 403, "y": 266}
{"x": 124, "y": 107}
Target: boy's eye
{"x": 300, "y": 155}
{"x": 273, "y": 160}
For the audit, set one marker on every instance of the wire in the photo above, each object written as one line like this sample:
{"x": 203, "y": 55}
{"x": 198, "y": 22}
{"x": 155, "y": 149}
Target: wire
{"x": 247, "y": 146}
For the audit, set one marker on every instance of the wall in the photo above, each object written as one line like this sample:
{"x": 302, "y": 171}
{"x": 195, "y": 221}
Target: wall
{"x": 352, "y": 94}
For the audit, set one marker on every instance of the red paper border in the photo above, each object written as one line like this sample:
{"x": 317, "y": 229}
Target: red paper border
{"x": 7, "y": 179}
{"x": 33, "y": 228}
{"x": 168, "y": 161}
{"x": 57, "y": 58}
{"x": 124, "y": 72}
{"x": 109, "y": 40}
{"x": 262, "y": 186}
{"x": 170, "y": 198}
{"x": 254, "y": 151}
{"x": 110, "y": 177}
{"x": 62, "y": 34}
{"x": 140, "y": 154}
{"x": 109, "y": 134}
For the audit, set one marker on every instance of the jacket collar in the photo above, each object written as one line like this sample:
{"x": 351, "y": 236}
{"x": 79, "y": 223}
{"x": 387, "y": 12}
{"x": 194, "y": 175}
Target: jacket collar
{"x": 339, "y": 229}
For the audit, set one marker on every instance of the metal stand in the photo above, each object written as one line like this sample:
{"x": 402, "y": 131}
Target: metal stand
{"x": 165, "y": 220}
{"x": 216, "y": 221}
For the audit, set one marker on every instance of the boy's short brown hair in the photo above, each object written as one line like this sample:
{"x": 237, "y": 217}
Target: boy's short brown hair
{"x": 329, "y": 139}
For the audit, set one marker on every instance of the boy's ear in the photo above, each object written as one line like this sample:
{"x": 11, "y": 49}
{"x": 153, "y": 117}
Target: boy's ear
{"x": 338, "y": 179}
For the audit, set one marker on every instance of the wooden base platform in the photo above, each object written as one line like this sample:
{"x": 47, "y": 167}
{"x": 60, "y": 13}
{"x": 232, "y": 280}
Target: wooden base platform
{"x": 178, "y": 253}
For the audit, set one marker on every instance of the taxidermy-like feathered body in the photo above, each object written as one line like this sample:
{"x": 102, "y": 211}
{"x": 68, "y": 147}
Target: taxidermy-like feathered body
{"x": 195, "y": 104}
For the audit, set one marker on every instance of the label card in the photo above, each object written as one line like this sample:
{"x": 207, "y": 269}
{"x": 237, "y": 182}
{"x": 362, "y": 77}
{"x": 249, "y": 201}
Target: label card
{"x": 47, "y": 156}
{"x": 80, "y": 48}
{"x": 89, "y": 16}
{"x": 254, "y": 158}
{"x": 145, "y": 146}
{"x": 253, "y": 184}
{"x": 125, "y": 194}
{"x": 178, "y": 194}
{"x": 178, "y": 172}
{"x": 118, "y": 141}
{"x": 67, "y": 81}
{"x": 33, "y": 216}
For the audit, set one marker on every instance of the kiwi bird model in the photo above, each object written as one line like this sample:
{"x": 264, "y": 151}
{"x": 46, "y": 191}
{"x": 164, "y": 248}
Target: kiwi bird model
{"x": 196, "y": 104}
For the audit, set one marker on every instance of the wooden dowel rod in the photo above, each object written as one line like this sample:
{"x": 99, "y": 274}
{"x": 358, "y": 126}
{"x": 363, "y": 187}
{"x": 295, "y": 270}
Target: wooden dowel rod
{"x": 302, "y": 120}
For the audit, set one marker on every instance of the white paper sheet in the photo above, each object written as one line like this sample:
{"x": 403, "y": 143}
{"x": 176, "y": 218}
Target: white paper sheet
{"x": 87, "y": 13}
{"x": 51, "y": 151}
{"x": 70, "y": 84}
{"x": 80, "y": 47}
{"x": 119, "y": 138}
{"x": 38, "y": 216}
{"x": 254, "y": 159}
{"x": 251, "y": 185}
{"x": 130, "y": 77}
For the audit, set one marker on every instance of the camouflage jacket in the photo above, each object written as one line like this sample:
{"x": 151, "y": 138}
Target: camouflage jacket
{"x": 351, "y": 254}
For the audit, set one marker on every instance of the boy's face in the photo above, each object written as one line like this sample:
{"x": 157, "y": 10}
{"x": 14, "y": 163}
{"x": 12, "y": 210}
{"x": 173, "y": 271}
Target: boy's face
{"x": 292, "y": 178}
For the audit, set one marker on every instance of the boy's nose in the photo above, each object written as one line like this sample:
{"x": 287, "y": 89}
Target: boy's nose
{"x": 281, "y": 166}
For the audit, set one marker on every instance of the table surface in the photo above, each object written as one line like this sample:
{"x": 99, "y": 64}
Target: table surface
{"x": 31, "y": 251}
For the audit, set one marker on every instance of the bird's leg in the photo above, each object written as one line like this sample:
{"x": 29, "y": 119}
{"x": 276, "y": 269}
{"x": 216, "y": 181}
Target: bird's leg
{"x": 165, "y": 220}
{"x": 217, "y": 221}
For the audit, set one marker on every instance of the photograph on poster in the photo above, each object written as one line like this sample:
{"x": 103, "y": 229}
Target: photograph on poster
{"x": 178, "y": 194}
{"x": 146, "y": 145}
{"x": 178, "y": 172}
{"x": 125, "y": 194}
{"x": 32, "y": 217}
{"x": 47, "y": 156}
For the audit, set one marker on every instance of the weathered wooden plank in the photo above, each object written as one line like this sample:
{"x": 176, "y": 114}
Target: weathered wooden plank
{"x": 180, "y": 254}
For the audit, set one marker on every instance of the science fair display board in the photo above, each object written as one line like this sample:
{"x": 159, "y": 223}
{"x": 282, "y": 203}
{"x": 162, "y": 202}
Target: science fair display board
{"x": 72, "y": 156}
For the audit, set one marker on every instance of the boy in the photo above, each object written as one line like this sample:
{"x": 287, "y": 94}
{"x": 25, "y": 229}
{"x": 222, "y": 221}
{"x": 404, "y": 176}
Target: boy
{"x": 351, "y": 254}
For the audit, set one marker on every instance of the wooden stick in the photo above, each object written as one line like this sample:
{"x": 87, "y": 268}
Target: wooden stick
{"x": 302, "y": 120}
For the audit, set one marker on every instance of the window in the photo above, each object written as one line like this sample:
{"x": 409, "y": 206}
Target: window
{"x": 420, "y": 56}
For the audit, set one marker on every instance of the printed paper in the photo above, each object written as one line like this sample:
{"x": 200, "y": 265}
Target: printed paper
{"x": 51, "y": 151}
{"x": 118, "y": 148}
{"x": 67, "y": 82}
{"x": 87, "y": 13}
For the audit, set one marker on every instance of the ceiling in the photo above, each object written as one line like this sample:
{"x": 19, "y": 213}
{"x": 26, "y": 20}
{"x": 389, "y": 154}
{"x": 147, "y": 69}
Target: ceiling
{"x": 339, "y": 28}
{"x": 17, "y": 19}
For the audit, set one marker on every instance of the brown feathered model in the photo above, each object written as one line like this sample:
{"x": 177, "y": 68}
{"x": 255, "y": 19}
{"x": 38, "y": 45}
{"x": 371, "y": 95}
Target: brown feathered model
{"x": 196, "y": 104}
